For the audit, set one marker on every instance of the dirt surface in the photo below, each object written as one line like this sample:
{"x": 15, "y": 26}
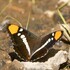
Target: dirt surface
{"x": 34, "y": 13}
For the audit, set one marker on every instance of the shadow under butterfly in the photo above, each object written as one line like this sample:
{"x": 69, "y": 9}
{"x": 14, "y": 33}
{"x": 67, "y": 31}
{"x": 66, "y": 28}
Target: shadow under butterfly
{"x": 30, "y": 47}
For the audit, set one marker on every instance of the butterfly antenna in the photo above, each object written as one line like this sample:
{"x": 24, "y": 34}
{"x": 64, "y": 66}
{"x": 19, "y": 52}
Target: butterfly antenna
{"x": 28, "y": 21}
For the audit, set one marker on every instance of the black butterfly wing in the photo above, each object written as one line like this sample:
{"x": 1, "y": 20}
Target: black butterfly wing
{"x": 32, "y": 39}
{"x": 46, "y": 43}
{"x": 23, "y": 40}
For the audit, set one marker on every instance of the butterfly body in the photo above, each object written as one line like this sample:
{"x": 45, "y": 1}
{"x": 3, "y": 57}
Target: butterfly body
{"x": 30, "y": 47}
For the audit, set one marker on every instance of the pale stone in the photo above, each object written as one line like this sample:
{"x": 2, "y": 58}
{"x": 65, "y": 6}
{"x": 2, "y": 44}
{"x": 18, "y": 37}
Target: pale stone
{"x": 53, "y": 63}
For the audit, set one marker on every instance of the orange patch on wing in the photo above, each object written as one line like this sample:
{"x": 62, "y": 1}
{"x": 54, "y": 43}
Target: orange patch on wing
{"x": 57, "y": 35}
{"x": 13, "y": 29}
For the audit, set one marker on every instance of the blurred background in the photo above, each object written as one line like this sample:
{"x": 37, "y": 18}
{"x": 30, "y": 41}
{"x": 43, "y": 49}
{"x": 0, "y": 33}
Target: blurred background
{"x": 38, "y": 16}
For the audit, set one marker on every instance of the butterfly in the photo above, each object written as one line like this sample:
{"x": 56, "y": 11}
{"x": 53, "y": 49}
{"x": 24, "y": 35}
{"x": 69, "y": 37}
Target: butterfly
{"x": 30, "y": 47}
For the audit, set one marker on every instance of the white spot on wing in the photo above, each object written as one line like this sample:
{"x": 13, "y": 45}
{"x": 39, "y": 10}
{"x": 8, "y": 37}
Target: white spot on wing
{"x": 21, "y": 29}
{"x": 52, "y": 38}
{"x": 18, "y": 34}
{"x": 49, "y": 40}
{"x": 22, "y": 36}
{"x": 52, "y": 34}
